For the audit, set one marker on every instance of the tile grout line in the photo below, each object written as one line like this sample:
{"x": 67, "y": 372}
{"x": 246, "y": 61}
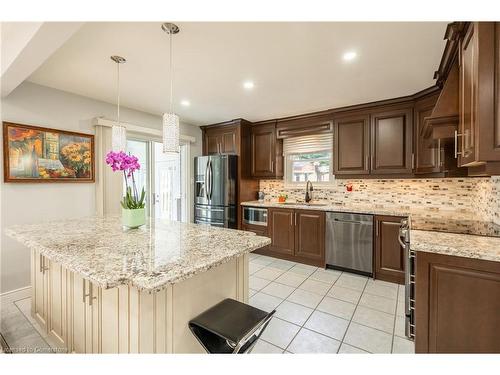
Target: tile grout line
{"x": 309, "y": 317}
{"x": 309, "y": 277}
{"x": 352, "y": 316}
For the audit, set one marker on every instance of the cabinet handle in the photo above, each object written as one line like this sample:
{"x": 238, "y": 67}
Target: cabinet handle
{"x": 412, "y": 161}
{"x": 296, "y": 219}
{"x": 377, "y": 226}
{"x": 367, "y": 161}
{"x": 91, "y": 293}
{"x": 291, "y": 220}
{"x": 83, "y": 291}
{"x": 41, "y": 263}
{"x": 272, "y": 166}
{"x": 456, "y": 144}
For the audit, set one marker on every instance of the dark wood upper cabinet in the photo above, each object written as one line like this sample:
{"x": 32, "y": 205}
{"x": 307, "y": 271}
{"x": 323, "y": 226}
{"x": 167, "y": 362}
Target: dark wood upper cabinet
{"x": 224, "y": 139}
{"x": 389, "y": 257}
{"x": 468, "y": 95}
{"x": 479, "y": 85}
{"x": 391, "y": 142}
{"x": 427, "y": 151}
{"x": 267, "y": 151}
{"x": 281, "y": 224}
{"x": 310, "y": 236}
{"x": 351, "y": 137}
{"x": 457, "y": 305}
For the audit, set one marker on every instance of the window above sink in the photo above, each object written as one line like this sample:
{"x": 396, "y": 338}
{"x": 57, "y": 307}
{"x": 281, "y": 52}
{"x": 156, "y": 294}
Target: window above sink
{"x": 308, "y": 158}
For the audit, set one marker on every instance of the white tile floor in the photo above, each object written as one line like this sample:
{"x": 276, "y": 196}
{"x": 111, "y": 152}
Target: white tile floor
{"x": 326, "y": 311}
{"x": 317, "y": 311}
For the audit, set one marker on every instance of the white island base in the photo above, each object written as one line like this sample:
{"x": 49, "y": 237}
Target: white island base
{"x": 84, "y": 318}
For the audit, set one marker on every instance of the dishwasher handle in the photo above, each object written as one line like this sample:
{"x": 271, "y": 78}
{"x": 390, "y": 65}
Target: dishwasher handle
{"x": 353, "y": 222}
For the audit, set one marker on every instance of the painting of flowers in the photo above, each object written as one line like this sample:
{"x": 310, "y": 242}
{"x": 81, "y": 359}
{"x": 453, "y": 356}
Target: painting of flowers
{"x": 35, "y": 154}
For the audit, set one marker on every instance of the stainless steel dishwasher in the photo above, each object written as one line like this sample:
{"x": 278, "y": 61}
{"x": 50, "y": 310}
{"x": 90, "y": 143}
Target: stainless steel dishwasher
{"x": 349, "y": 242}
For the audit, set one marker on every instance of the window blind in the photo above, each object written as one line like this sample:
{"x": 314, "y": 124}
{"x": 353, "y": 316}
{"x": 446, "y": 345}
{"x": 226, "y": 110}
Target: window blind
{"x": 308, "y": 143}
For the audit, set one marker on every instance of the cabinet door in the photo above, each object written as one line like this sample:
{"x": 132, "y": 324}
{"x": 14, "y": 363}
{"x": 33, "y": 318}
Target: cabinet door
{"x": 282, "y": 229}
{"x": 212, "y": 142}
{"x": 467, "y": 95}
{"x": 229, "y": 142}
{"x": 221, "y": 140}
{"x": 84, "y": 316}
{"x": 39, "y": 289}
{"x": 352, "y": 145}
{"x": 58, "y": 304}
{"x": 391, "y": 139}
{"x": 310, "y": 236}
{"x": 458, "y": 305}
{"x": 427, "y": 152}
{"x": 263, "y": 140}
{"x": 389, "y": 256}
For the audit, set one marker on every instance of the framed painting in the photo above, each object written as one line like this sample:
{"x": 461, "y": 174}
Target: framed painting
{"x": 36, "y": 154}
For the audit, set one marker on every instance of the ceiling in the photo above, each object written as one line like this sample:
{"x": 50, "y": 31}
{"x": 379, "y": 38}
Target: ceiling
{"x": 296, "y": 67}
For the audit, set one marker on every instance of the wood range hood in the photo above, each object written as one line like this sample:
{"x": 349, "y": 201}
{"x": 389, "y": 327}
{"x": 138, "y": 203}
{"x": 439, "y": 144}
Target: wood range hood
{"x": 443, "y": 121}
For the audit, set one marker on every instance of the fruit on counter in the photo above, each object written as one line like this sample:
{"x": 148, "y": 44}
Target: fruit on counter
{"x": 282, "y": 198}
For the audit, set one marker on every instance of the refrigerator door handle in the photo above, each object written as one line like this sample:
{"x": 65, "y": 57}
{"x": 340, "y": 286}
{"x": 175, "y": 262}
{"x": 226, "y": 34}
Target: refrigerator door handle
{"x": 205, "y": 180}
{"x": 210, "y": 179}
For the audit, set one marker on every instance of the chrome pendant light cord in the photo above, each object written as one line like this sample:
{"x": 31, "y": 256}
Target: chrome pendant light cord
{"x": 171, "y": 76}
{"x": 118, "y": 93}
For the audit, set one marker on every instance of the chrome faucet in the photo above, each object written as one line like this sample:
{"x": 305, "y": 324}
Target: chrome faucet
{"x": 309, "y": 190}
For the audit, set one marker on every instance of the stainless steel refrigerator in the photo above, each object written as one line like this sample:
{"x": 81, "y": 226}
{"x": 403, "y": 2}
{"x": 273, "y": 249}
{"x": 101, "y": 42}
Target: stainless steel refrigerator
{"x": 215, "y": 190}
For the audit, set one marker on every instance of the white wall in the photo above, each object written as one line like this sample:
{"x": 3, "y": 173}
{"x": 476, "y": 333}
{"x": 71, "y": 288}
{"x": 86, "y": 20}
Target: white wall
{"x": 30, "y": 203}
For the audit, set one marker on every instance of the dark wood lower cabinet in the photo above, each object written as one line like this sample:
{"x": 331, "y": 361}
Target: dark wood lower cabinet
{"x": 310, "y": 237}
{"x": 389, "y": 257}
{"x": 296, "y": 235}
{"x": 457, "y": 305}
{"x": 281, "y": 223}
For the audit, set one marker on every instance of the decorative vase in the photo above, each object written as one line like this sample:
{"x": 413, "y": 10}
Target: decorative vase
{"x": 133, "y": 218}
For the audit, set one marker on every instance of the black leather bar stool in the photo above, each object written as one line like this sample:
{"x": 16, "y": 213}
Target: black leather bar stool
{"x": 230, "y": 327}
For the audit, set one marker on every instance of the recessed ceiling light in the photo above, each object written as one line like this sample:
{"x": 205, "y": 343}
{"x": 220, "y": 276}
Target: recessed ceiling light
{"x": 185, "y": 103}
{"x": 248, "y": 85}
{"x": 349, "y": 56}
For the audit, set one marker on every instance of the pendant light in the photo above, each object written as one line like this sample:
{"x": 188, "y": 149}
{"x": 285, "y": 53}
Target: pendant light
{"x": 170, "y": 119}
{"x": 118, "y": 131}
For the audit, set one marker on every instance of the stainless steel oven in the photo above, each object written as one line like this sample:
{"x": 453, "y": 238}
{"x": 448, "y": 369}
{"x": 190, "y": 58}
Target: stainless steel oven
{"x": 255, "y": 216}
{"x": 409, "y": 258}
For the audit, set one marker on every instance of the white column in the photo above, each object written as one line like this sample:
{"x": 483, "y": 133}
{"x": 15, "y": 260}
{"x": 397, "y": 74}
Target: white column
{"x": 109, "y": 184}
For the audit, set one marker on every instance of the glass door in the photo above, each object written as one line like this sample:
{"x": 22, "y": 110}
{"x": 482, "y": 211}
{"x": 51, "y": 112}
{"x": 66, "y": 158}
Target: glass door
{"x": 164, "y": 177}
{"x": 169, "y": 181}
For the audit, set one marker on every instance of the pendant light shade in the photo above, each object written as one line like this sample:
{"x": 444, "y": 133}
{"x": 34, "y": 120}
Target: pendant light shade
{"x": 118, "y": 138}
{"x": 170, "y": 119}
{"x": 170, "y": 133}
{"x": 118, "y": 131}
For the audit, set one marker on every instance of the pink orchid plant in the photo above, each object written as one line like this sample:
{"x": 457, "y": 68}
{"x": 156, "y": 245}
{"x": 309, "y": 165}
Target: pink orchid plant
{"x": 128, "y": 164}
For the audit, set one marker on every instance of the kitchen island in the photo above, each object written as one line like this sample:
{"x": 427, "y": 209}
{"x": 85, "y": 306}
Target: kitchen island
{"x": 100, "y": 288}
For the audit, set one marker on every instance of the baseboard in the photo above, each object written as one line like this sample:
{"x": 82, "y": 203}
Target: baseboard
{"x": 16, "y": 294}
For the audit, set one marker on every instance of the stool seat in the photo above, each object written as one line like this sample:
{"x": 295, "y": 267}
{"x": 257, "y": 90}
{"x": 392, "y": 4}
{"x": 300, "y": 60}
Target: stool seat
{"x": 230, "y": 327}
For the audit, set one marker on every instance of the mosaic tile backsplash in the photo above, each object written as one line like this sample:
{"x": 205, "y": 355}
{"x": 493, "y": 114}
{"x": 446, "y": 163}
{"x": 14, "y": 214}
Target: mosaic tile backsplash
{"x": 475, "y": 197}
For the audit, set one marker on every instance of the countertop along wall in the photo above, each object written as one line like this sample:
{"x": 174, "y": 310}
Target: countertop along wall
{"x": 22, "y": 203}
{"x": 477, "y": 198}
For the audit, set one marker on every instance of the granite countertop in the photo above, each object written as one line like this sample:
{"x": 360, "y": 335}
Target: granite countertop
{"x": 431, "y": 231}
{"x": 460, "y": 245}
{"x": 149, "y": 258}
{"x": 320, "y": 206}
